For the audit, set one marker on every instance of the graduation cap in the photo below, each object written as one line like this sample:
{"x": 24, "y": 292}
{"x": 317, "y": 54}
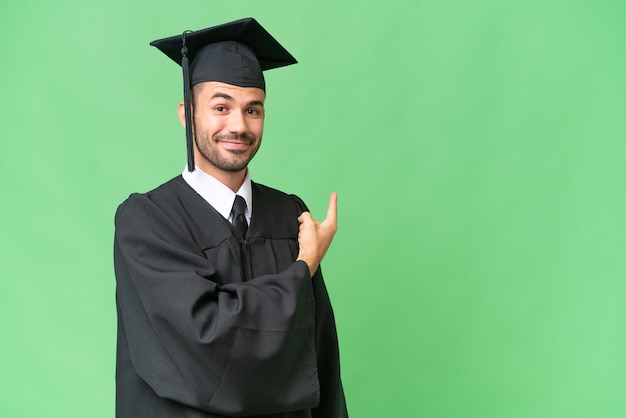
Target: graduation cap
{"x": 235, "y": 53}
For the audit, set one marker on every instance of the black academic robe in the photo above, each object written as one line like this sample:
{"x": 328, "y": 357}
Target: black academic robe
{"x": 211, "y": 325}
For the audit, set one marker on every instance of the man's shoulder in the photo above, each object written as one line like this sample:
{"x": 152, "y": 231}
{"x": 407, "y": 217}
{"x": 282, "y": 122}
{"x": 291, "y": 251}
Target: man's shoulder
{"x": 261, "y": 192}
{"x": 266, "y": 189}
{"x": 171, "y": 186}
{"x": 275, "y": 213}
{"x": 158, "y": 200}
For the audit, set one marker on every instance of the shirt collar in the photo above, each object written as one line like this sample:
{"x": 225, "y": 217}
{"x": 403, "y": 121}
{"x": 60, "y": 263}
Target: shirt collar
{"x": 218, "y": 194}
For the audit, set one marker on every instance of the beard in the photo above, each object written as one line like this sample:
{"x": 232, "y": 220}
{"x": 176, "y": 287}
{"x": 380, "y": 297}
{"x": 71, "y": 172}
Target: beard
{"x": 232, "y": 160}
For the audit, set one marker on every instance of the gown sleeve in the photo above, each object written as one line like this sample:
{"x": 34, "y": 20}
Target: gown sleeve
{"x": 239, "y": 348}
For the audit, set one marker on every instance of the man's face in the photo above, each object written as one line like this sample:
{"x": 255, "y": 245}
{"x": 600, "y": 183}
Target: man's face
{"x": 228, "y": 123}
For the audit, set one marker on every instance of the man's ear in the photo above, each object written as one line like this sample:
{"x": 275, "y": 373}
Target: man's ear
{"x": 181, "y": 113}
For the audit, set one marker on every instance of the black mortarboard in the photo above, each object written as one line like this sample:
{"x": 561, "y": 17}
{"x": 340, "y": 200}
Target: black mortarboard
{"x": 235, "y": 53}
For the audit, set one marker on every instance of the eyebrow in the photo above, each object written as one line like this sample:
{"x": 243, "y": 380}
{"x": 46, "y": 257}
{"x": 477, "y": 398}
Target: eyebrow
{"x": 230, "y": 99}
{"x": 255, "y": 103}
{"x": 223, "y": 96}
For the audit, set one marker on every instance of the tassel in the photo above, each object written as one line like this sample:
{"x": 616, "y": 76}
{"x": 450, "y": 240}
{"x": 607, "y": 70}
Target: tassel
{"x": 191, "y": 166}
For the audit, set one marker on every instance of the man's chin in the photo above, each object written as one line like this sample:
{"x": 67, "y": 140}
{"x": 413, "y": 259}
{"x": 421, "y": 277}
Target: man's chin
{"x": 228, "y": 161}
{"x": 232, "y": 165}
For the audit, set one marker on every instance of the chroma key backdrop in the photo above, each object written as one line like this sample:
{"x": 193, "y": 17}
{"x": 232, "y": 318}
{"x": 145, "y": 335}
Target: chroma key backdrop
{"x": 477, "y": 148}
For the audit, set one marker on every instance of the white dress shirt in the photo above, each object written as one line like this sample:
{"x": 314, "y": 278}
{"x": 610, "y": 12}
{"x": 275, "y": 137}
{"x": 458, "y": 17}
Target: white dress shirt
{"x": 219, "y": 195}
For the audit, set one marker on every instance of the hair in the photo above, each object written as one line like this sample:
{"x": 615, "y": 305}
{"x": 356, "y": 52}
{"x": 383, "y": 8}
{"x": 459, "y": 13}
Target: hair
{"x": 195, "y": 90}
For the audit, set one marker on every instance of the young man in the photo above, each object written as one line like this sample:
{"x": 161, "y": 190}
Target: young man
{"x": 222, "y": 308}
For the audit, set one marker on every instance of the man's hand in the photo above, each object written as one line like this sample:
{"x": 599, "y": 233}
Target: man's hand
{"x": 315, "y": 237}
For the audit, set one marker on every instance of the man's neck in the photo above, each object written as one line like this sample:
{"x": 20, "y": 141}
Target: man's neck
{"x": 218, "y": 194}
{"x": 232, "y": 180}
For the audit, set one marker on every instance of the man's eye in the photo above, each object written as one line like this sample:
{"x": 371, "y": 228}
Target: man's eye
{"x": 253, "y": 112}
{"x": 220, "y": 108}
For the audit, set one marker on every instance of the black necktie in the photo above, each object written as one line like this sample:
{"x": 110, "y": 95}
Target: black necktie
{"x": 239, "y": 217}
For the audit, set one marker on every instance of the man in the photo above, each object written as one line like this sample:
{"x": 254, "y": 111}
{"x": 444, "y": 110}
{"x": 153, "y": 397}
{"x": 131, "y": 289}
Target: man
{"x": 222, "y": 308}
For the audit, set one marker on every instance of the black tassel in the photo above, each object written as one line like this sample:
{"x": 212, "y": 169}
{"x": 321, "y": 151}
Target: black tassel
{"x": 191, "y": 166}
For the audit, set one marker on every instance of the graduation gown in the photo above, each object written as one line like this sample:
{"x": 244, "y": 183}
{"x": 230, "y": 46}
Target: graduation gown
{"x": 211, "y": 325}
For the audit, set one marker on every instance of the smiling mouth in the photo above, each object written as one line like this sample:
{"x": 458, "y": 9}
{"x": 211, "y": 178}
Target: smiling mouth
{"x": 236, "y": 143}
{"x": 235, "y": 147}
{"x": 228, "y": 141}
{"x": 235, "y": 139}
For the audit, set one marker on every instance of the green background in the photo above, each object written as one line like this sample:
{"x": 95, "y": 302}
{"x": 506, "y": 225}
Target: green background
{"x": 477, "y": 148}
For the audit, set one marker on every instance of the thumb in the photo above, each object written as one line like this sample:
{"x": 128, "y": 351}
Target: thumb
{"x": 331, "y": 214}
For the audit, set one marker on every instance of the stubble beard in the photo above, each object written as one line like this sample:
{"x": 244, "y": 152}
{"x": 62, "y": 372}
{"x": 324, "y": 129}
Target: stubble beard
{"x": 235, "y": 160}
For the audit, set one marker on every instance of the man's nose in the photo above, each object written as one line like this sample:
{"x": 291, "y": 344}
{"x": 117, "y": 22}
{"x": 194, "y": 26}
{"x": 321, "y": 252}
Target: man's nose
{"x": 237, "y": 122}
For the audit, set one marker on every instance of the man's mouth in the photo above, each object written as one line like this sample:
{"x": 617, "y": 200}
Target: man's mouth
{"x": 243, "y": 140}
